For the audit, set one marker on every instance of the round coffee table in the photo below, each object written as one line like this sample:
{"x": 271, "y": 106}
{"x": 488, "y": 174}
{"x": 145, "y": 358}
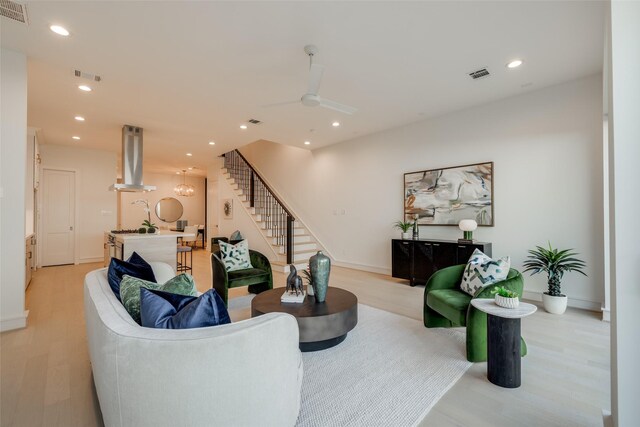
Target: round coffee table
{"x": 321, "y": 325}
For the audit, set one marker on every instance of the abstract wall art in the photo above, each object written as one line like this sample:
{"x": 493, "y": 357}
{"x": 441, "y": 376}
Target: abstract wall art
{"x": 446, "y": 196}
{"x": 227, "y": 208}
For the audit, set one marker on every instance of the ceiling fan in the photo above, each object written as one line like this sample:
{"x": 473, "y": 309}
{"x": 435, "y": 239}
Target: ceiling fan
{"x": 311, "y": 98}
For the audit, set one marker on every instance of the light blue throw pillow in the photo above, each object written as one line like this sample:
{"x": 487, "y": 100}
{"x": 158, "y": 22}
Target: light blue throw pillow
{"x": 235, "y": 257}
{"x": 482, "y": 271}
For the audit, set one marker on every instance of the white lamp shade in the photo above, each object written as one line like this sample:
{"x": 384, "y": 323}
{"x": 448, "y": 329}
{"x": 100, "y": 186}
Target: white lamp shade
{"x": 468, "y": 225}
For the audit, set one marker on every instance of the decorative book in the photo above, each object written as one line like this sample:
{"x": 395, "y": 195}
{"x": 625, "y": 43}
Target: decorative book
{"x": 289, "y": 296}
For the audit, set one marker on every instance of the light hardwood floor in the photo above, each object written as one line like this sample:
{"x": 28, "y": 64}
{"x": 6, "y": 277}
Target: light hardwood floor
{"x": 46, "y": 378}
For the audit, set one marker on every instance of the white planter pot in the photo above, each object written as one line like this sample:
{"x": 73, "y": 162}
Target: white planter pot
{"x": 507, "y": 302}
{"x": 406, "y": 236}
{"x": 554, "y": 305}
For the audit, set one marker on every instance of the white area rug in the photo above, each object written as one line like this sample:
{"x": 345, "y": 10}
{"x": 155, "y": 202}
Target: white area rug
{"x": 390, "y": 371}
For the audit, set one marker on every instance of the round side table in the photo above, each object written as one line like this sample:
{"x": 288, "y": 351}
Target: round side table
{"x": 503, "y": 340}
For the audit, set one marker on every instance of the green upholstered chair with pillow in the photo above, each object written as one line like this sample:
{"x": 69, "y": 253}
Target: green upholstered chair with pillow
{"x": 446, "y": 305}
{"x": 259, "y": 277}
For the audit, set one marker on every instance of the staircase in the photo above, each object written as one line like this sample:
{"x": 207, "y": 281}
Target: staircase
{"x": 291, "y": 240}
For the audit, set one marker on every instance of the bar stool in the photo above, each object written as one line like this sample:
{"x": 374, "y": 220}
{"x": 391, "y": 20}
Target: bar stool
{"x": 182, "y": 263}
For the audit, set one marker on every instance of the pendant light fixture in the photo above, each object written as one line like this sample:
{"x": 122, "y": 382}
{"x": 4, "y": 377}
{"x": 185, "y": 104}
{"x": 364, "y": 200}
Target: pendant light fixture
{"x": 184, "y": 189}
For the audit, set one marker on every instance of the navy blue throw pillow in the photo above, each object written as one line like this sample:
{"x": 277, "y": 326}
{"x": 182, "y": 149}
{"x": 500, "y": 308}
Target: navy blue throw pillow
{"x": 164, "y": 310}
{"x": 135, "y": 266}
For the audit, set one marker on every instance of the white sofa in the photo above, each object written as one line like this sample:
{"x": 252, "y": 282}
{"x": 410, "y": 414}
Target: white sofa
{"x": 247, "y": 373}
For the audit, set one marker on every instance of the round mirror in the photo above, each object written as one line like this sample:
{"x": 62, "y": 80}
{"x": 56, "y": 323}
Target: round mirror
{"x": 169, "y": 209}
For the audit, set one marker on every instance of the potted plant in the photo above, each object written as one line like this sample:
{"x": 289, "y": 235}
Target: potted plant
{"x": 505, "y": 297}
{"x": 555, "y": 263}
{"x": 147, "y": 225}
{"x": 151, "y": 228}
{"x": 404, "y": 227}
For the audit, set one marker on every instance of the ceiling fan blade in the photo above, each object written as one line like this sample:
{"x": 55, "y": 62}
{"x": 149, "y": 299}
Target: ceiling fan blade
{"x": 327, "y": 103}
{"x": 277, "y": 104}
{"x": 315, "y": 76}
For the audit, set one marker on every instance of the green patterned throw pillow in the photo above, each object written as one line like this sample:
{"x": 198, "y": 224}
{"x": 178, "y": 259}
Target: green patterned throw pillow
{"x": 182, "y": 284}
{"x": 482, "y": 271}
{"x": 235, "y": 257}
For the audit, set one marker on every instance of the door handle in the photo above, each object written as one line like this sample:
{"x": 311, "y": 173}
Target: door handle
{"x": 71, "y": 228}
{"x": 436, "y": 244}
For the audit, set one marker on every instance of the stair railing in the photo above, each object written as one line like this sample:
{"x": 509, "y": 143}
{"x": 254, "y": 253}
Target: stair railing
{"x": 272, "y": 211}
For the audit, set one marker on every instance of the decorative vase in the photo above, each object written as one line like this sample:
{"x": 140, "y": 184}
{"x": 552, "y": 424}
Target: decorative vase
{"x": 142, "y": 230}
{"x": 406, "y": 236}
{"x": 554, "y": 304}
{"x": 151, "y": 230}
{"x": 507, "y": 302}
{"x": 320, "y": 266}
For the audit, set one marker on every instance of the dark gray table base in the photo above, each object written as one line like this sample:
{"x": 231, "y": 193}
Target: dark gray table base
{"x": 503, "y": 351}
{"x": 321, "y": 345}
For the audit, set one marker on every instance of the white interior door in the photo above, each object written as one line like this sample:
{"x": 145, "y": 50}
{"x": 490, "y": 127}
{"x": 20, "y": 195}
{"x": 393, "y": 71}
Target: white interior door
{"x": 58, "y": 217}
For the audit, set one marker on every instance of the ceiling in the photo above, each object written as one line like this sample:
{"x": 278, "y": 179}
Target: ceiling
{"x": 193, "y": 72}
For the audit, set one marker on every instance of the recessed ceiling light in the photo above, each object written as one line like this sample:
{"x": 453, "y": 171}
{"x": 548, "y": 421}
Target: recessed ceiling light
{"x": 190, "y": 169}
{"x": 335, "y": 124}
{"x": 212, "y": 143}
{"x": 189, "y": 154}
{"x": 243, "y": 126}
{"x": 515, "y": 63}
{"x": 75, "y": 137}
{"x": 177, "y": 173}
{"x": 84, "y": 88}
{"x": 59, "y": 30}
{"x": 307, "y": 143}
{"x": 79, "y": 118}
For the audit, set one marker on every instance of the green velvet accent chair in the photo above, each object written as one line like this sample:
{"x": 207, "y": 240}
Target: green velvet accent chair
{"x": 258, "y": 279}
{"x": 446, "y": 305}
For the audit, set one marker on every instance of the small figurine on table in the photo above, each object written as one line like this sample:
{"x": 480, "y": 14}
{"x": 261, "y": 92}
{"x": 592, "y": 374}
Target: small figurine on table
{"x": 294, "y": 282}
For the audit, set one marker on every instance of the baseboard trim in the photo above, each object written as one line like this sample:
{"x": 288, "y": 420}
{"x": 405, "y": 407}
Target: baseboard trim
{"x": 363, "y": 267}
{"x": 12, "y": 323}
{"x": 90, "y": 260}
{"x": 572, "y": 302}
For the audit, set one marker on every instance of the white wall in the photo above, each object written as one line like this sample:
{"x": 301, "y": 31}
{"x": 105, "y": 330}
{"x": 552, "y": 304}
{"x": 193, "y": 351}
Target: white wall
{"x": 131, "y": 216}
{"x": 29, "y": 192}
{"x": 213, "y": 176}
{"x": 13, "y": 154}
{"x": 547, "y": 154}
{"x": 96, "y": 205}
{"x": 624, "y": 152}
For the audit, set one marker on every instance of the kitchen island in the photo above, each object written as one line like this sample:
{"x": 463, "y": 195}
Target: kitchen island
{"x": 160, "y": 246}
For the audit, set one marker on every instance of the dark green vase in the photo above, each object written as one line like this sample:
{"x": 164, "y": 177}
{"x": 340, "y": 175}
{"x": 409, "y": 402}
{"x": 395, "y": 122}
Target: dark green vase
{"x": 320, "y": 266}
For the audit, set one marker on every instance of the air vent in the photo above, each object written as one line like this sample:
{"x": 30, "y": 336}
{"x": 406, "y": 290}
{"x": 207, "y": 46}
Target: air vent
{"x": 479, "y": 74}
{"x": 254, "y": 121}
{"x": 85, "y": 75}
{"x": 14, "y": 11}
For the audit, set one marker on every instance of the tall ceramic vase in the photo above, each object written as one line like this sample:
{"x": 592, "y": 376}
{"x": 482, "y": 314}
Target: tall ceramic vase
{"x": 320, "y": 266}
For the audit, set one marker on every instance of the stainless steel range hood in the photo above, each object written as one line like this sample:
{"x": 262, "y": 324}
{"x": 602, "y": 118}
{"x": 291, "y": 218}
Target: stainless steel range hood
{"x": 131, "y": 161}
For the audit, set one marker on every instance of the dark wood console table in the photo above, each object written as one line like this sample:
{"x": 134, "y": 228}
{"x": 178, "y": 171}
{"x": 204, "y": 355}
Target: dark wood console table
{"x": 417, "y": 260}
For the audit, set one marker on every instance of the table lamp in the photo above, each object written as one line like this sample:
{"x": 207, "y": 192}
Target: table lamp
{"x": 467, "y": 226}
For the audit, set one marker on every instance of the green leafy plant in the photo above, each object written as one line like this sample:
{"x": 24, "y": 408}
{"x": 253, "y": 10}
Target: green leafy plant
{"x": 555, "y": 263}
{"x": 308, "y": 277}
{"x": 148, "y": 224}
{"x": 504, "y": 292}
{"x": 403, "y": 226}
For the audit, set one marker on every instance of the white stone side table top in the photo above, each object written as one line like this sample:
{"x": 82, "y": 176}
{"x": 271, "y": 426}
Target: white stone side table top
{"x": 489, "y": 306}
